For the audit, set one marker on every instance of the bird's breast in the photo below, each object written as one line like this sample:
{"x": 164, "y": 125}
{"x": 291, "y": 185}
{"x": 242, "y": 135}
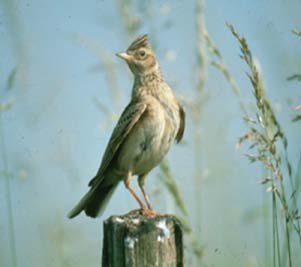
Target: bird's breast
{"x": 149, "y": 140}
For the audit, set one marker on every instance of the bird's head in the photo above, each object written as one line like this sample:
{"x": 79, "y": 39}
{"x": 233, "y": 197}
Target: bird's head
{"x": 140, "y": 57}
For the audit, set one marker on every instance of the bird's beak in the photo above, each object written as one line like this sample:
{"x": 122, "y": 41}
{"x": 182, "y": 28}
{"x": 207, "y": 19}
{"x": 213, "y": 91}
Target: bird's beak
{"x": 124, "y": 55}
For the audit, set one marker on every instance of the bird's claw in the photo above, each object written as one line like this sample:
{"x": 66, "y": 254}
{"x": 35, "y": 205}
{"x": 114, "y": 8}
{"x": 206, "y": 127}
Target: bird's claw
{"x": 151, "y": 213}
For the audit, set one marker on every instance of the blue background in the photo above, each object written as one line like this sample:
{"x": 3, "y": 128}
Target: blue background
{"x": 69, "y": 90}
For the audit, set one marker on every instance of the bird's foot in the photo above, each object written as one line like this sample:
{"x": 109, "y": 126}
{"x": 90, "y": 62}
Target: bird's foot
{"x": 151, "y": 213}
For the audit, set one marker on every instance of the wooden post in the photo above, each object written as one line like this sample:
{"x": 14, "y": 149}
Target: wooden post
{"x": 136, "y": 240}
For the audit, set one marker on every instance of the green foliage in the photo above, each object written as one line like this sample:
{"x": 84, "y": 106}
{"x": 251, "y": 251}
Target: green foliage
{"x": 11, "y": 79}
{"x": 297, "y": 32}
{"x": 8, "y": 103}
{"x": 294, "y": 77}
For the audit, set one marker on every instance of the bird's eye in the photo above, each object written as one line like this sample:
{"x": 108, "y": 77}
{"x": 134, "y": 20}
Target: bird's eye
{"x": 141, "y": 53}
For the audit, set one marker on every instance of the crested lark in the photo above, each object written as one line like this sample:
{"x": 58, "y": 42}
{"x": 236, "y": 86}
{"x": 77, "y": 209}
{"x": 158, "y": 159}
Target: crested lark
{"x": 142, "y": 136}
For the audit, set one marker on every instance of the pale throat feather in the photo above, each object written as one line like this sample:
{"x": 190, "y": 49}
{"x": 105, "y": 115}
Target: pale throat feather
{"x": 148, "y": 83}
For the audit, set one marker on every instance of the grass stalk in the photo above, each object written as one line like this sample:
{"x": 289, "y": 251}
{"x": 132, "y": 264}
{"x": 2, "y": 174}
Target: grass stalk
{"x": 8, "y": 197}
{"x": 271, "y": 145}
{"x": 267, "y": 137}
{"x": 170, "y": 184}
{"x": 276, "y": 242}
{"x": 198, "y": 102}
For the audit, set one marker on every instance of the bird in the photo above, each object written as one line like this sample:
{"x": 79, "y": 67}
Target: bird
{"x": 145, "y": 131}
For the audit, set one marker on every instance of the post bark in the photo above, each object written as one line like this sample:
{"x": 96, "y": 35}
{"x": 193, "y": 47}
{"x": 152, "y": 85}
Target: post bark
{"x": 136, "y": 240}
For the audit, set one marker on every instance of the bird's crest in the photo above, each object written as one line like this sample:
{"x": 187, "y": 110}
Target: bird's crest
{"x": 141, "y": 41}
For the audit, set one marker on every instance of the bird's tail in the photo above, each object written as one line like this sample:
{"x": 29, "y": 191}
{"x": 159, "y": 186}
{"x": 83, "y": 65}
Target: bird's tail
{"x": 95, "y": 201}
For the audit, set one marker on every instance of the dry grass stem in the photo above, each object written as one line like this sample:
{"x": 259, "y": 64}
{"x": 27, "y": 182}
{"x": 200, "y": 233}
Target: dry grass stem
{"x": 270, "y": 143}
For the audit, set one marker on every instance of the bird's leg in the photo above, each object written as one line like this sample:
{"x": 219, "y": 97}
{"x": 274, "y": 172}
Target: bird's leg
{"x": 148, "y": 211}
{"x": 141, "y": 181}
{"x": 127, "y": 183}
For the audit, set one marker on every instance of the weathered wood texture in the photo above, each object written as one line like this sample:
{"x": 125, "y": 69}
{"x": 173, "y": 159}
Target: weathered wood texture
{"x": 135, "y": 240}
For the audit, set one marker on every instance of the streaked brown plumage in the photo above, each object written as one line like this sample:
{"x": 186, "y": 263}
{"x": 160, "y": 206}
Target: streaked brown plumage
{"x": 142, "y": 136}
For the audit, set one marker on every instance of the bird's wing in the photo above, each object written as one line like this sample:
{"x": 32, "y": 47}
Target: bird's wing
{"x": 127, "y": 120}
{"x": 181, "y": 129}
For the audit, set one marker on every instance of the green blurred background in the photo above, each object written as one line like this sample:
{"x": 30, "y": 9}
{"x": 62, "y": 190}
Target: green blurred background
{"x": 62, "y": 90}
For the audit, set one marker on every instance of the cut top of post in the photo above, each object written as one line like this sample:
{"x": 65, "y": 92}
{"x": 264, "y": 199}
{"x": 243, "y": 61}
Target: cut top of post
{"x": 134, "y": 239}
